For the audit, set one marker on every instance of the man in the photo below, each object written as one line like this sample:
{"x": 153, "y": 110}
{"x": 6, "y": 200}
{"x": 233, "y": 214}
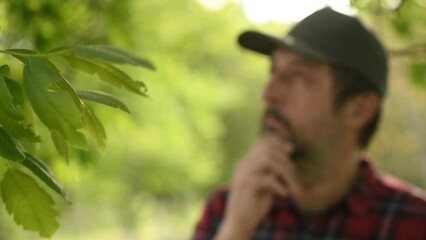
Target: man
{"x": 307, "y": 176}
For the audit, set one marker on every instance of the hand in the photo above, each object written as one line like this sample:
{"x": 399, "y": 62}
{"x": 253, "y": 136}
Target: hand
{"x": 265, "y": 173}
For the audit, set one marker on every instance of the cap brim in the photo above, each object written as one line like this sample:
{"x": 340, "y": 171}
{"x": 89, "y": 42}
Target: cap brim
{"x": 259, "y": 42}
{"x": 265, "y": 44}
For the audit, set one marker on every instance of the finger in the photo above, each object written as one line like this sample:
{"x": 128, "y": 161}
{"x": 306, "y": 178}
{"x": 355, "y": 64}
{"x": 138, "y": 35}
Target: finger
{"x": 278, "y": 155}
{"x": 270, "y": 183}
{"x": 284, "y": 171}
{"x": 274, "y": 143}
{"x": 288, "y": 173}
{"x": 277, "y": 168}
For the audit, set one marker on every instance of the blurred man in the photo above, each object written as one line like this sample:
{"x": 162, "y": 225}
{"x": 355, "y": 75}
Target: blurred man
{"x": 306, "y": 177}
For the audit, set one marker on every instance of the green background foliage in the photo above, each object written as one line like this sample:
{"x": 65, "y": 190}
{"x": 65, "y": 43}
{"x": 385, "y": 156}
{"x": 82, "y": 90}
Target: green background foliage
{"x": 162, "y": 161}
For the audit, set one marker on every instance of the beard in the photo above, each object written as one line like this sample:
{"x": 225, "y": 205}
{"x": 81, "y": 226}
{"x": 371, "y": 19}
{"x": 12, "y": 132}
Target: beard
{"x": 285, "y": 131}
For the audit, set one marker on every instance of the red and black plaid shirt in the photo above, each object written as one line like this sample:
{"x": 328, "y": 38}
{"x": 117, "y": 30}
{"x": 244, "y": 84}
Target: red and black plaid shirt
{"x": 376, "y": 208}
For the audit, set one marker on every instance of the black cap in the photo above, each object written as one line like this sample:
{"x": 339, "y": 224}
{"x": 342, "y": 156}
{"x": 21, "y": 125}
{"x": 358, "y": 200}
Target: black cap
{"x": 331, "y": 37}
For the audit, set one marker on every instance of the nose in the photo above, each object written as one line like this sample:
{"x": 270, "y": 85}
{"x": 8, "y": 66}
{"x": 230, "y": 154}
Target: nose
{"x": 270, "y": 93}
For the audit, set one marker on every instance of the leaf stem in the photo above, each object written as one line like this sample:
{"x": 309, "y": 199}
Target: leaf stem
{"x": 24, "y": 54}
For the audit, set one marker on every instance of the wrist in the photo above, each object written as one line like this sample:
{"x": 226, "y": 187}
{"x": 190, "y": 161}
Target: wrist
{"x": 234, "y": 230}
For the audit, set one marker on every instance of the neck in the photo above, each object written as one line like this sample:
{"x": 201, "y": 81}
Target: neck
{"x": 328, "y": 179}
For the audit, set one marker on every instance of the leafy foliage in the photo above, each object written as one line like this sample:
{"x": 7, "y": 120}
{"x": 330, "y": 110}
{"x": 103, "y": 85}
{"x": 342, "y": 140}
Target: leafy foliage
{"x": 44, "y": 174}
{"x": 401, "y": 25}
{"x": 9, "y": 148}
{"x": 63, "y": 110}
{"x": 30, "y": 205}
{"x": 107, "y": 73}
{"x": 103, "y": 98}
{"x": 12, "y": 108}
{"x": 110, "y": 54}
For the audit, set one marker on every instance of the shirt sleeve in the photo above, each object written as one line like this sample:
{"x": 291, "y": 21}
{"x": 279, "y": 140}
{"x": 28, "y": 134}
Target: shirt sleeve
{"x": 211, "y": 217}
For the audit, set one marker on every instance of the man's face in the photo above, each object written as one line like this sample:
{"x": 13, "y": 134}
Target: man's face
{"x": 299, "y": 101}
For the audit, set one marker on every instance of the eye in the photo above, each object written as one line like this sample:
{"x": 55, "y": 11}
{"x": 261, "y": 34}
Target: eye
{"x": 297, "y": 74}
{"x": 293, "y": 77}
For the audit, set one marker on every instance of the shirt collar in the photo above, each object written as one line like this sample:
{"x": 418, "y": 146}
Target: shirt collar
{"x": 360, "y": 197}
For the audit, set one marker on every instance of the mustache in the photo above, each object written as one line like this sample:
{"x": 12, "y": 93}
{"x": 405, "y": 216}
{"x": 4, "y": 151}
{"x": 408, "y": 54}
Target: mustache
{"x": 282, "y": 119}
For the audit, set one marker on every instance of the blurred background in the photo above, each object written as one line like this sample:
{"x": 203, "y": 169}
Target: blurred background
{"x": 162, "y": 161}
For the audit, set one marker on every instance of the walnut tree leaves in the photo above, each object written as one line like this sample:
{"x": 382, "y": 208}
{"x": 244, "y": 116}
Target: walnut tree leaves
{"x": 46, "y": 93}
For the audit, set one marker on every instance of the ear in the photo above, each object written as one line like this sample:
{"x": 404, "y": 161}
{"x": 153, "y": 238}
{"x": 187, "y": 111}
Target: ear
{"x": 361, "y": 109}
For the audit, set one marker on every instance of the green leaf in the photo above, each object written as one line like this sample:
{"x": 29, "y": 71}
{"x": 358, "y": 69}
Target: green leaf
{"x": 11, "y": 96}
{"x": 12, "y": 114}
{"x": 43, "y": 173}
{"x": 28, "y": 203}
{"x": 5, "y": 70}
{"x": 103, "y": 98}
{"x": 16, "y": 91}
{"x": 110, "y": 54}
{"x": 108, "y": 73}
{"x": 60, "y": 143}
{"x": 58, "y": 110}
{"x": 3, "y": 167}
{"x": 18, "y": 129}
{"x": 19, "y": 52}
{"x": 91, "y": 122}
{"x": 7, "y": 103}
{"x": 9, "y": 148}
{"x": 59, "y": 51}
{"x": 95, "y": 127}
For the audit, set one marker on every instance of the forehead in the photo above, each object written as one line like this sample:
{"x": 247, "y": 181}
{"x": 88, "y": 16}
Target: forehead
{"x": 320, "y": 74}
